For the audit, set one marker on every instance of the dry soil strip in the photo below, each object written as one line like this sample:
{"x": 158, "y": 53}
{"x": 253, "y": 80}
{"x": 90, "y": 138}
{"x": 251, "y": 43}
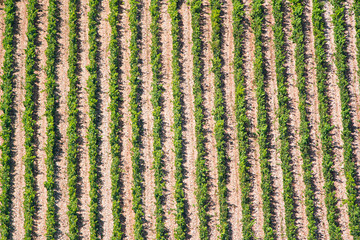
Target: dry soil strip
{"x": 19, "y": 134}
{"x": 255, "y": 170}
{"x": 189, "y": 123}
{"x": 147, "y": 118}
{"x": 314, "y": 119}
{"x": 104, "y": 102}
{"x": 127, "y": 133}
{"x": 40, "y": 126}
{"x": 335, "y": 112}
{"x": 84, "y": 165}
{"x": 294, "y": 127}
{"x": 234, "y": 194}
{"x": 271, "y": 89}
{"x": 168, "y": 119}
{"x": 2, "y": 30}
{"x": 62, "y": 199}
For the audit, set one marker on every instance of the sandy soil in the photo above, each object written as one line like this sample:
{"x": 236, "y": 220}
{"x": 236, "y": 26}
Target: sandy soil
{"x": 294, "y": 127}
{"x": 314, "y": 119}
{"x": 168, "y": 121}
{"x": 104, "y": 102}
{"x": 255, "y": 169}
{"x": 61, "y": 163}
{"x": 335, "y": 111}
{"x": 271, "y": 89}
{"x": 210, "y": 143}
{"x": 19, "y": 138}
{"x": 126, "y": 136}
{"x": 189, "y": 123}
{"x": 40, "y": 216}
{"x": 234, "y": 194}
{"x": 84, "y": 185}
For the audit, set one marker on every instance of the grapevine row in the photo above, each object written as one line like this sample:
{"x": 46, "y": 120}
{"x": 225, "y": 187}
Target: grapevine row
{"x": 262, "y": 118}
{"x": 181, "y": 228}
{"x": 156, "y": 98}
{"x": 93, "y": 135}
{"x": 115, "y": 124}
{"x": 72, "y": 130}
{"x": 7, "y": 130}
{"x": 50, "y": 111}
{"x": 219, "y": 117}
{"x": 343, "y": 82}
{"x": 29, "y": 119}
{"x": 202, "y": 196}
{"x": 325, "y": 120}
{"x": 284, "y": 117}
{"x": 135, "y": 109}
{"x": 304, "y": 143}
{"x": 242, "y": 121}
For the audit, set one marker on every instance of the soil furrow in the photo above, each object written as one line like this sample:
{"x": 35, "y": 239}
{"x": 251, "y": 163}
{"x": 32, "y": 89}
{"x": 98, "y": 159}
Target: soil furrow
{"x": 168, "y": 120}
{"x": 147, "y": 119}
{"x": 189, "y": 123}
{"x": 294, "y": 126}
{"x": 255, "y": 170}
{"x": 234, "y": 194}
{"x": 127, "y": 133}
{"x": 335, "y": 112}
{"x": 104, "y": 102}
{"x": 84, "y": 165}
{"x": 19, "y": 134}
{"x": 271, "y": 89}
{"x": 62, "y": 194}
{"x": 314, "y": 119}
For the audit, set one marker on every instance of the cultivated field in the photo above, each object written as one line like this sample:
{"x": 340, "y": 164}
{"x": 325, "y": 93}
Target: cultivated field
{"x": 198, "y": 119}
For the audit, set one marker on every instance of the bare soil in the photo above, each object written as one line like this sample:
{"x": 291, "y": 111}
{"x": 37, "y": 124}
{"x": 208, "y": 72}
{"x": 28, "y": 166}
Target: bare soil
{"x": 19, "y": 134}
{"x": 335, "y": 111}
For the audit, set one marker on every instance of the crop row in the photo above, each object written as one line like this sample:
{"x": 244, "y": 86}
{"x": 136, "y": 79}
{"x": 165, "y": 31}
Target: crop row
{"x": 304, "y": 143}
{"x": 115, "y": 124}
{"x": 135, "y": 109}
{"x": 156, "y": 98}
{"x": 29, "y": 119}
{"x": 72, "y": 130}
{"x": 181, "y": 228}
{"x": 93, "y": 134}
{"x": 284, "y": 117}
{"x": 219, "y": 117}
{"x": 51, "y": 51}
{"x": 325, "y": 120}
{"x": 343, "y": 82}
{"x": 242, "y": 121}
{"x": 7, "y": 130}
{"x": 262, "y": 118}
{"x": 202, "y": 196}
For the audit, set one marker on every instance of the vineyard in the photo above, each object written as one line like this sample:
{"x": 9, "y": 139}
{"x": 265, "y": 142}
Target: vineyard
{"x": 198, "y": 119}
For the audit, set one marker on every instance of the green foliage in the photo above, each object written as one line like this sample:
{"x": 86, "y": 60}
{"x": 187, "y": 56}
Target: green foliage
{"x": 338, "y": 18}
{"x": 181, "y": 228}
{"x": 219, "y": 116}
{"x": 115, "y": 124}
{"x": 262, "y": 118}
{"x": 51, "y": 51}
{"x": 29, "y": 119}
{"x": 135, "y": 110}
{"x": 93, "y": 134}
{"x": 242, "y": 120}
{"x": 325, "y": 120}
{"x": 284, "y": 116}
{"x": 72, "y": 130}
{"x": 156, "y": 98}
{"x": 304, "y": 143}
{"x": 202, "y": 195}
{"x": 7, "y": 130}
